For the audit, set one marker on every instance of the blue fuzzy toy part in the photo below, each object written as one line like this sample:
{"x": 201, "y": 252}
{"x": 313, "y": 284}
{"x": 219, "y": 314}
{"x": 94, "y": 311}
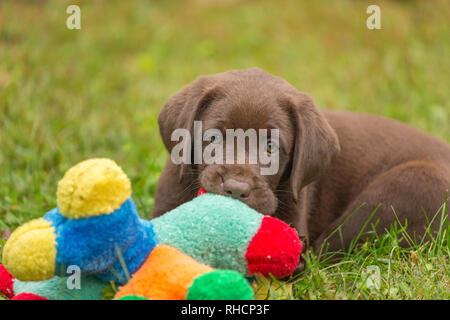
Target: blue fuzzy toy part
{"x": 93, "y": 243}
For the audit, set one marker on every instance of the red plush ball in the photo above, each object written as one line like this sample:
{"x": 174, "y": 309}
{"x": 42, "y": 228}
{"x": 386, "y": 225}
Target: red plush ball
{"x": 274, "y": 249}
{"x": 28, "y": 296}
{"x": 6, "y": 282}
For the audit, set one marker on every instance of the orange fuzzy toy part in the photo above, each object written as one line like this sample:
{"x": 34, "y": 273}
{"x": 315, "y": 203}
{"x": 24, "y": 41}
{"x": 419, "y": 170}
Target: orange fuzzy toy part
{"x": 167, "y": 274}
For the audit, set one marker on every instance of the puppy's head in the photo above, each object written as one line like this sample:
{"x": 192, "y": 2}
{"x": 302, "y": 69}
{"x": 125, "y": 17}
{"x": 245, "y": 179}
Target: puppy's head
{"x": 302, "y": 143}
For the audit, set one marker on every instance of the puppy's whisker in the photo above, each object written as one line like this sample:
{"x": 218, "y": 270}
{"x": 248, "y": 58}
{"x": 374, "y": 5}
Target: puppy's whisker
{"x": 283, "y": 191}
{"x": 189, "y": 188}
{"x": 194, "y": 185}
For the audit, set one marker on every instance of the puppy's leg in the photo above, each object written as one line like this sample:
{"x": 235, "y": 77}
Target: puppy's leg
{"x": 409, "y": 188}
{"x": 170, "y": 192}
{"x": 295, "y": 214}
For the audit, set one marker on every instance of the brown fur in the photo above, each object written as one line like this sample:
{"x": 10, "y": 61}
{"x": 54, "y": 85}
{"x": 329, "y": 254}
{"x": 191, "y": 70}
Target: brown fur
{"x": 331, "y": 162}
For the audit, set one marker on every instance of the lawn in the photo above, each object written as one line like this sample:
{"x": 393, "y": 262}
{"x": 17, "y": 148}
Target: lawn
{"x": 67, "y": 95}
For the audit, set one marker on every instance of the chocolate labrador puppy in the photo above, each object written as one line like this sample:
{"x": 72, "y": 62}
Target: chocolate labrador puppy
{"x": 335, "y": 168}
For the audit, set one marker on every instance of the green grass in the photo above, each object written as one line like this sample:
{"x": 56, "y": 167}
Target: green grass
{"x": 70, "y": 95}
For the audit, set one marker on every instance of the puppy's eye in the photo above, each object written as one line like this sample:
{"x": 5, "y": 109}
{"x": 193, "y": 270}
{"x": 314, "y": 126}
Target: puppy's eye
{"x": 215, "y": 139}
{"x": 272, "y": 147}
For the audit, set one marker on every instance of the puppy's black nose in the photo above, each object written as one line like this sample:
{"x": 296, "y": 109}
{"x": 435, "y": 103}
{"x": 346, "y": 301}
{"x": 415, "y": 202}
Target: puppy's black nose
{"x": 236, "y": 189}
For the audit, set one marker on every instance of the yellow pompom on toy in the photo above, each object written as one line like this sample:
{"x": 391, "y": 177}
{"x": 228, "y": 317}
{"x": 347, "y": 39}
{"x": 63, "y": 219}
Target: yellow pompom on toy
{"x": 91, "y": 188}
{"x": 31, "y": 251}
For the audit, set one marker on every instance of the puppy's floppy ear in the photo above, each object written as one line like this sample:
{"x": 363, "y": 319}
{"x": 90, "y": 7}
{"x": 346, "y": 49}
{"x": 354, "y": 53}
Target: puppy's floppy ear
{"x": 184, "y": 107}
{"x": 316, "y": 143}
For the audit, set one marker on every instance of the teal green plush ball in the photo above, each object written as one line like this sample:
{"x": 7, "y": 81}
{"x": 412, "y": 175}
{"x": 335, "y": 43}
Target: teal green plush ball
{"x": 213, "y": 229}
{"x": 57, "y": 288}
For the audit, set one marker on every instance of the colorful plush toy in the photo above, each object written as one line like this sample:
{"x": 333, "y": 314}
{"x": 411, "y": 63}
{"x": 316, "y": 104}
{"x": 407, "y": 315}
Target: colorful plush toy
{"x": 97, "y": 228}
